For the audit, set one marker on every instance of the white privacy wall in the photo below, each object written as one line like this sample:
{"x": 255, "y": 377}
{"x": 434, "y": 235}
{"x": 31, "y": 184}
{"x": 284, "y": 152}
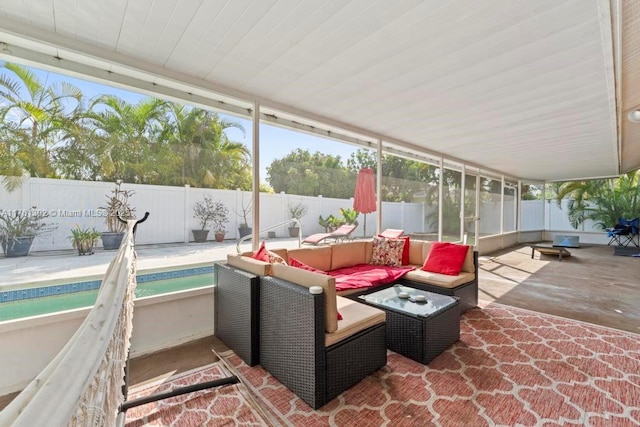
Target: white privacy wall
{"x": 70, "y": 203}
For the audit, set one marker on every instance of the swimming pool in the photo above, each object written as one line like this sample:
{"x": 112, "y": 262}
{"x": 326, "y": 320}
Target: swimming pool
{"x": 34, "y": 301}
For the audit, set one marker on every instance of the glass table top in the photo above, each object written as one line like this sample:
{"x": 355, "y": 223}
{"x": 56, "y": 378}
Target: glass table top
{"x": 406, "y": 300}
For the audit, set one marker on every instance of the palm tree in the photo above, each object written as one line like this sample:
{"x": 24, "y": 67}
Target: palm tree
{"x": 208, "y": 158}
{"x": 127, "y": 136}
{"x": 40, "y": 114}
{"x": 603, "y": 201}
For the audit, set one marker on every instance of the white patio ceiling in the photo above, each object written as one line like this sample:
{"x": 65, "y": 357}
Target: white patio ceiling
{"x": 535, "y": 89}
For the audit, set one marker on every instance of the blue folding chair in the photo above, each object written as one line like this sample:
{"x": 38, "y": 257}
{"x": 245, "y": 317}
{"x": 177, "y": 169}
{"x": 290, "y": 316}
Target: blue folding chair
{"x": 625, "y": 232}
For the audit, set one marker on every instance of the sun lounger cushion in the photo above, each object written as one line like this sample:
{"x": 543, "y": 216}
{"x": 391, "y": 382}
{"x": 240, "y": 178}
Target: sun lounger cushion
{"x": 387, "y": 251}
{"x": 445, "y": 258}
{"x": 391, "y": 232}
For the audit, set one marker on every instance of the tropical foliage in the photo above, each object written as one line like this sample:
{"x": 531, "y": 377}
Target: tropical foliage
{"x": 51, "y": 130}
{"x": 306, "y": 174}
{"x": 602, "y": 201}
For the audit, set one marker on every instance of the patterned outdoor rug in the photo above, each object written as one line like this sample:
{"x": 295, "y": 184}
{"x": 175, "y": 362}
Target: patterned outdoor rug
{"x": 510, "y": 367}
{"x": 229, "y": 405}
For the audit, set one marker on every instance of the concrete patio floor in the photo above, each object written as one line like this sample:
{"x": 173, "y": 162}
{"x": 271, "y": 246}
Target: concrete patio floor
{"x": 59, "y": 266}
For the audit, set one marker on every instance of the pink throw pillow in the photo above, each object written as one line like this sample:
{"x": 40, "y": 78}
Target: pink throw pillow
{"x": 445, "y": 258}
{"x": 267, "y": 256}
{"x": 261, "y": 254}
{"x": 299, "y": 264}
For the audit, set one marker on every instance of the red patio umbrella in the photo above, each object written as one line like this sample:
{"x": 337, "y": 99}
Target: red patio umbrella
{"x": 364, "y": 198}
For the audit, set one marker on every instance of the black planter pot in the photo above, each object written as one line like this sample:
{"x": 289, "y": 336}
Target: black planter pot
{"x": 17, "y": 246}
{"x": 111, "y": 240}
{"x": 200, "y": 236}
{"x": 244, "y": 231}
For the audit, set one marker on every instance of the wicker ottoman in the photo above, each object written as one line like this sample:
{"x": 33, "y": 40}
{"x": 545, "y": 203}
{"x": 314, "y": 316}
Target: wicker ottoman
{"x": 415, "y": 329}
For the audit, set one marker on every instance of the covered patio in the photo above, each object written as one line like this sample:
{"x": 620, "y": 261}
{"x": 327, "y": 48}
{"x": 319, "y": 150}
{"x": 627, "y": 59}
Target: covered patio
{"x": 512, "y": 93}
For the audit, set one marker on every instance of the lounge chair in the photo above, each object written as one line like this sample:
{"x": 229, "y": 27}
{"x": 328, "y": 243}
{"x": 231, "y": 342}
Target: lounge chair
{"x": 391, "y": 232}
{"x": 343, "y": 232}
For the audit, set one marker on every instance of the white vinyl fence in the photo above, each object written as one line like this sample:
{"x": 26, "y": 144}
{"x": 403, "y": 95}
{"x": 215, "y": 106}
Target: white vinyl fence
{"x": 70, "y": 203}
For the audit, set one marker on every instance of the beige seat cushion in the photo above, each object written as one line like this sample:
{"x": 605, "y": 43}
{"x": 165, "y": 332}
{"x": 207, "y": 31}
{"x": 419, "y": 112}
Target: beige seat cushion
{"x": 356, "y": 317}
{"x": 317, "y": 257}
{"x": 246, "y": 263}
{"x": 415, "y": 252}
{"x": 309, "y": 279}
{"x": 348, "y": 254}
{"x": 437, "y": 279}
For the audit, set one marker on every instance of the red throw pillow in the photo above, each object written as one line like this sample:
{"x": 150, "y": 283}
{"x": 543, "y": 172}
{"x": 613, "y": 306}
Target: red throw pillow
{"x": 267, "y": 256}
{"x": 299, "y": 264}
{"x": 445, "y": 258}
{"x": 262, "y": 254}
{"x": 405, "y": 248}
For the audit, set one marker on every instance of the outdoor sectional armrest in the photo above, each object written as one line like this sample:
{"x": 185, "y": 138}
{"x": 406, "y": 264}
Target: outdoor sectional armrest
{"x": 293, "y": 347}
{"x": 236, "y": 311}
{"x": 292, "y": 335}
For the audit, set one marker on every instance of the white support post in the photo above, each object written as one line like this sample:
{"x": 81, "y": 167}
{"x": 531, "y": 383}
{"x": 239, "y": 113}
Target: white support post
{"x": 256, "y": 175}
{"x": 440, "y": 194}
{"x": 187, "y": 204}
{"x": 502, "y": 205}
{"x": 379, "y": 190}
{"x": 463, "y": 182}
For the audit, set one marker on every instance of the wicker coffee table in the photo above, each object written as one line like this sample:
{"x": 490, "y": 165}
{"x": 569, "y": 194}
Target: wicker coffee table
{"x": 417, "y": 330}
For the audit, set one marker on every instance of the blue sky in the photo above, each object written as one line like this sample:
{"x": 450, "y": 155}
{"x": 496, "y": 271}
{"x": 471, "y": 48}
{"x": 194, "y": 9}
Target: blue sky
{"x": 275, "y": 142}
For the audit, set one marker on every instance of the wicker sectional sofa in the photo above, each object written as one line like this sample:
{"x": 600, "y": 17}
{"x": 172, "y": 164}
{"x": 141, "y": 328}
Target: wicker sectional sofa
{"x": 269, "y": 314}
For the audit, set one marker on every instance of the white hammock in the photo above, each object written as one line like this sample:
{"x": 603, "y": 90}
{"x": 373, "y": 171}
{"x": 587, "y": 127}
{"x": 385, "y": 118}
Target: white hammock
{"x": 82, "y": 386}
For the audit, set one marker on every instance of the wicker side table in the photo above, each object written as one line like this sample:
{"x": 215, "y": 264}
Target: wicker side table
{"x": 418, "y": 330}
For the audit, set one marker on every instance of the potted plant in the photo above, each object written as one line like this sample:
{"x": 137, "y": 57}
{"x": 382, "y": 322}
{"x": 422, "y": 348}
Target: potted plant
{"x": 207, "y": 211}
{"x": 117, "y": 207}
{"x": 243, "y": 228}
{"x": 296, "y": 211}
{"x": 18, "y": 229}
{"x": 84, "y": 239}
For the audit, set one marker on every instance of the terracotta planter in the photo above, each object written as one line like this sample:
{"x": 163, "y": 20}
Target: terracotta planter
{"x": 294, "y": 231}
{"x": 219, "y": 236}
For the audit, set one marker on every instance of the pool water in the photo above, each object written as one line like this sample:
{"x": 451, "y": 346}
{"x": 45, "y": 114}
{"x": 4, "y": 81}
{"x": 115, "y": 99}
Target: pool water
{"x": 69, "y": 301}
